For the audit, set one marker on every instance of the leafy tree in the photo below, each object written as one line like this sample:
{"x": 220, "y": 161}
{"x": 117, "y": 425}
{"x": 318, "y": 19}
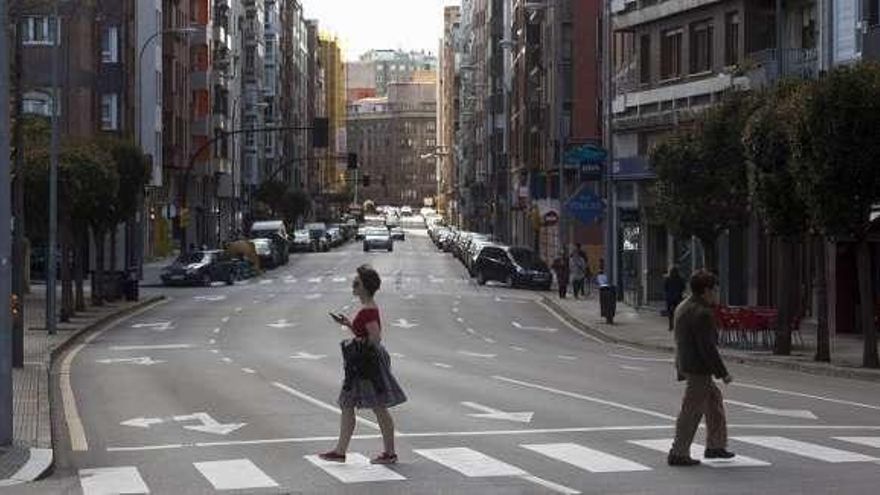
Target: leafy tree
{"x": 838, "y": 149}
{"x": 296, "y": 203}
{"x": 272, "y": 194}
{"x": 702, "y": 185}
{"x": 769, "y": 144}
{"x": 133, "y": 170}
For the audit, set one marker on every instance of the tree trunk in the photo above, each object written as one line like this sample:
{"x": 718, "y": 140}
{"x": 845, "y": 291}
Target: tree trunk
{"x": 67, "y": 308}
{"x": 78, "y": 265}
{"x": 785, "y": 286}
{"x": 866, "y": 305}
{"x": 823, "y": 336}
{"x": 710, "y": 254}
{"x": 113, "y": 248}
{"x": 98, "y": 272}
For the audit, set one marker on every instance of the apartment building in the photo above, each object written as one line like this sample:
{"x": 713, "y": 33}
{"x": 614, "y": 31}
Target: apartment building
{"x": 448, "y": 115}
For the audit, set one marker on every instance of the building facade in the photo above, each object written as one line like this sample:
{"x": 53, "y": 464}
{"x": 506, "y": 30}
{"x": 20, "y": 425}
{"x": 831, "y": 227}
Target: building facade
{"x": 448, "y": 115}
{"x": 389, "y": 66}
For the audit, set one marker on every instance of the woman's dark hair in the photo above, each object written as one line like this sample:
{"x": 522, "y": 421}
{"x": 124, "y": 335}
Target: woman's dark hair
{"x": 369, "y": 279}
{"x": 701, "y": 281}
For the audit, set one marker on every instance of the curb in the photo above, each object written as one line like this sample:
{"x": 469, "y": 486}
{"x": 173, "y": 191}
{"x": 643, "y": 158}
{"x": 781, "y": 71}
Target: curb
{"x": 812, "y": 368}
{"x": 41, "y": 462}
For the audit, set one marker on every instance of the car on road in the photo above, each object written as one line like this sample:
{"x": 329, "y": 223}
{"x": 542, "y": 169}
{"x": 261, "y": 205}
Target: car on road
{"x": 276, "y": 232}
{"x": 334, "y": 234}
{"x": 318, "y": 233}
{"x": 515, "y": 266}
{"x": 361, "y": 232}
{"x": 398, "y": 234}
{"x": 202, "y": 268}
{"x": 302, "y": 242}
{"x": 378, "y": 238}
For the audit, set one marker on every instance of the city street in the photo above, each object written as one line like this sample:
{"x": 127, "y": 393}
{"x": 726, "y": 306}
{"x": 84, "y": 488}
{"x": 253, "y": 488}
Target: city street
{"x": 234, "y": 388}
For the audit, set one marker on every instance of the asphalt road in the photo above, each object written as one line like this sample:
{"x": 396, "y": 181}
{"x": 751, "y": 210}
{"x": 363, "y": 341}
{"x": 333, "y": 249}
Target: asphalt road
{"x": 233, "y": 388}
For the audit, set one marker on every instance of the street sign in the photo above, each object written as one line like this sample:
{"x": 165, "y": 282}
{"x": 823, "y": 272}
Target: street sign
{"x": 585, "y": 206}
{"x": 589, "y": 158}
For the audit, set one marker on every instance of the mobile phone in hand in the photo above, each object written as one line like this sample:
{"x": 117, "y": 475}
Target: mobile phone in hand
{"x": 336, "y": 317}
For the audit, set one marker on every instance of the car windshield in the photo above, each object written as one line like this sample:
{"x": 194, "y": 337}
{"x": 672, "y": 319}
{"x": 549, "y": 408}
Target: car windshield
{"x": 377, "y": 232}
{"x": 526, "y": 258}
{"x": 198, "y": 257}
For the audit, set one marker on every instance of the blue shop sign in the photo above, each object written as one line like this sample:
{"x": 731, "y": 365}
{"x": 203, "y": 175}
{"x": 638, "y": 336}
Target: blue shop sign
{"x": 585, "y": 206}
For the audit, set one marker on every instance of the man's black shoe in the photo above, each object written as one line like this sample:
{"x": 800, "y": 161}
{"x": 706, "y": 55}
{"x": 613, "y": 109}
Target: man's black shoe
{"x": 718, "y": 454}
{"x": 681, "y": 460}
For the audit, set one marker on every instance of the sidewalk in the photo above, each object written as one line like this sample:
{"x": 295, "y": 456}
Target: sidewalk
{"x": 30, "y": 456}
{"x": 648, "y": 330}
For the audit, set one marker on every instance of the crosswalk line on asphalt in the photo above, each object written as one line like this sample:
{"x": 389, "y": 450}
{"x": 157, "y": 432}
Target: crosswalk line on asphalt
{"x": 356, "y": 469}
{"x": 663, "y": 444}
{"x": 806, "y": 449}
{"x": 586, "y": 458}
{"x": 111, "y": 480}
{"x": 235, "y": 474}
{"x": 867, "y": 441}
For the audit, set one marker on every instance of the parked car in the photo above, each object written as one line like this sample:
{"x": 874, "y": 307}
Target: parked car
{"x": 515, "y": 266}
{"x": 335, "y": 236}
{"x": 361, "y": 231}
{"x": 473, "y": 253}
{"x": 318, "y": 233}
{"x": 378, "y": 238}
{"x": 302, "y": 242}
{"x": 266, "y": 252}
{"x": 398, "y": 234}
{"x": 276, "y": 232}
{"x": 202, "y": 268}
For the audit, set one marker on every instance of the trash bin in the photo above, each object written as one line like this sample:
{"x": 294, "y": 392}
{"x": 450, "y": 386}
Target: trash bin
{"x": 608, "y": 302}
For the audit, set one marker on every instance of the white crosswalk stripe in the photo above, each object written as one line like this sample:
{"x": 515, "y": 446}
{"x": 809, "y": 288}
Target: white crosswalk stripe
{"x": 586, "y": 458}
{"x": 235, "y": 474}
{"x": 663, "y": 444}
{"x": 112, "y": 480}
{"x": 868, "y": 441}
{"x": 356, "y": 469}
{"x": 806, "y": 449}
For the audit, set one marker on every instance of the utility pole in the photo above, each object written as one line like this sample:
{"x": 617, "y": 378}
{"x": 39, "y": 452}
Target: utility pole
{"x": 19, "y": 265}
{"x": 610, "y": 213}
{"x": 53, "y": 180}
{"x": 5, "y": 239}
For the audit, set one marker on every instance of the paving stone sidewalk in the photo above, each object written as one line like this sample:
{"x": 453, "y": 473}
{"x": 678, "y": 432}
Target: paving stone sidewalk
{"x": 648, "y": 329}
{"x": 30, "y": 456}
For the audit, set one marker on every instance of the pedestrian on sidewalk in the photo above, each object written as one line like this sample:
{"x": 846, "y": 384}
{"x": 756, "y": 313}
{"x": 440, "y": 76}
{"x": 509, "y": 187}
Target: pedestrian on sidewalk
{"x": 673, "y": 286}
{"x": 697, "y": 360}
{"x": 369, "y": 383}
{"x": 563, "y": 272}
{"x": 578, "y": 263}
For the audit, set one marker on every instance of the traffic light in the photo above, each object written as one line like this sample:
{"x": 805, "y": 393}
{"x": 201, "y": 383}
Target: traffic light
{"x": 352, "y": 161}
{"x": 366, "y": 180}
{"x": 320, "y": 132}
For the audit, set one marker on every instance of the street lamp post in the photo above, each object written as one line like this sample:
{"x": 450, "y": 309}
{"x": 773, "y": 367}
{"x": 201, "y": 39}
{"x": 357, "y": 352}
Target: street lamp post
{"x": 53, "y": 179}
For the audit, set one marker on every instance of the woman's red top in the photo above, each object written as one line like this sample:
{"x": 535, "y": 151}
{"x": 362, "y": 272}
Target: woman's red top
{"x": 364, "y": 317}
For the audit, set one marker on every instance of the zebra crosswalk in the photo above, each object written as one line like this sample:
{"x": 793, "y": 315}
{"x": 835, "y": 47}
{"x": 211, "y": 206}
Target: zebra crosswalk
{"x": 581, "y": 461}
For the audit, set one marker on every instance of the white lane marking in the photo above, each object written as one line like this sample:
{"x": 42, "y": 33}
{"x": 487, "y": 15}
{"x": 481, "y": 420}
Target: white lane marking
{"x": 311, "y": 400}
{"x": 160, "y": 326}
{"x": 248, "y": 371}
{"x": 518, "y": 348}
{"x": 282, "y": 323}
{"x": 790, "y": 413}
{"x": 104, "y": 481}
{"x": 519, "y": 326}
{"x": 38, "y": 462}
{"x": 217, "y": 330}
{"x": 313, "y": 297}
{"x": 140, "y": 361}
{"x": 397, "y": 355}
{"x": 586, "y": 458}
{"x": 477, "y": 354}
{"x": 226, "y": 360}
{"x": 315, "y": 280}
{"x": 215, "y": 351}
{"x": 442, "y": 365}
{"x": 158, "y": 347}
{"x": 355, "y": 469}
{"x": 474, "y": 464}
{"x": 492, "y": 413}
{"x": 470, "y": 331}
{"x": 489, "y": 340}
{"x": 308, "y": 356}
{"x": 267, "y": 281}
{"x": 236, "y": 474}
{"x": 225, "y": 319}
{"x": 806, "y": 449}
{"x": 586, "y": 398}
{"x": 664, "y": 444}
{"x": 808, "y": 396}
{"x": 77, "y": 433}
{"x": 339, "y": 279}
{"x": 455, "y": 310}
{"x": 210, "y": 298}
{"x": 239, "y": 309}
{"x": 569, "y": 325}
{"x": 403, "y": 323}
{"x": 460, "y": 319}
{"x": 212, "y": 341}
{"x": 867, "y": 441}
{"x": 640, "y": 358}
{"x": 567, "y": 358}
{"x": 632, "y": 368}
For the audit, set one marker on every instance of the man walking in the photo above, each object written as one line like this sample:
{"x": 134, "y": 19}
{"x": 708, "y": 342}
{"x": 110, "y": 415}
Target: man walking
{"x": 578, "y": 264}
{"x": 697, "y": 360}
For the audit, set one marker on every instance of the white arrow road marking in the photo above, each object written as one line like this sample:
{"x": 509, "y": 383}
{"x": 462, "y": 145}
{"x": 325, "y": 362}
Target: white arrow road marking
{"x": 209, "y": 424}
{"x": 149, "y": 347}
{"x": 308, "y": 356}
{"x": 210, "y": 298}
{"x": 477, "y": 354}
{"x": 442, "y": 365}
{"x": 313, "y": 297}
{"x": 789, "y": 413}
{"x": 536, "y": 329}
{"x": 142, "y": 361}
{"x": 283, "y": 323}
{"x": 491, "y": 413}
{"x": 403, "y": 323}
{"x": 159, "y": 326}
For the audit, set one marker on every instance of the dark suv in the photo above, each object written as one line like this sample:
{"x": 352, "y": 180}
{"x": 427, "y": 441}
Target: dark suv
{"x": 202, "y": 268}
{"x": 515, "y": 266}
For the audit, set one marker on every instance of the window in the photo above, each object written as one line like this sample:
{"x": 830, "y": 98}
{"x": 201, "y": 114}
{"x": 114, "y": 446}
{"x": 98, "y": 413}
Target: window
{"x": 39, "y": 30}
{"x": 670, "y": 54}
{"x": 731, "y": 38}
{"x": 110, "y": 112}
{"x": 645, "y": 59}
{"x": 110, "y": 45}
{"x": 701, "y": 47}
{"x": 37, "y": 103}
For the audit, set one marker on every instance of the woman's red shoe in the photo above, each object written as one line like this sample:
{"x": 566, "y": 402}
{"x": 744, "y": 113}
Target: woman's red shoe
{"x": 385, "y": 458}
{"x": 332, "y": 456}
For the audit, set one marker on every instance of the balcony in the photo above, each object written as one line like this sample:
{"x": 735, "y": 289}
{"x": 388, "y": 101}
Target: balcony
{"x": 628, "y": 17}
{"x": 766, "y": 67}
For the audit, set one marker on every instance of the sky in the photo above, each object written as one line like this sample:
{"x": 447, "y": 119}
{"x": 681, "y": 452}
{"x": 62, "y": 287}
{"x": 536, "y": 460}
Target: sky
{"x": 366, "y": 24}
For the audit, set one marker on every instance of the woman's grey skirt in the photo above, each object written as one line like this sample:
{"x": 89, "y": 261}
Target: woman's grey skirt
{"x": 363, "y": 393}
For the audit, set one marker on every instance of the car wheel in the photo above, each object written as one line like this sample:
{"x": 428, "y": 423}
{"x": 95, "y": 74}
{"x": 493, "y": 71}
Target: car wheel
{"x": 481, "y": 278}
{"x": 206, "y": 280}
{"x": 233, "y": 276}
{"x": 366, "y": 249}
{"x": 390, "y": 249}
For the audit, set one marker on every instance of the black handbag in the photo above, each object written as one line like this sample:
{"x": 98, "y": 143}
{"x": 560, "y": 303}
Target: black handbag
{"x": 361, "y": 362}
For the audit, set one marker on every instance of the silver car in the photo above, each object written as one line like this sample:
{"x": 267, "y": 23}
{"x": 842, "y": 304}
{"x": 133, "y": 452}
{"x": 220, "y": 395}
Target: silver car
{"x": 378, "y": 238}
